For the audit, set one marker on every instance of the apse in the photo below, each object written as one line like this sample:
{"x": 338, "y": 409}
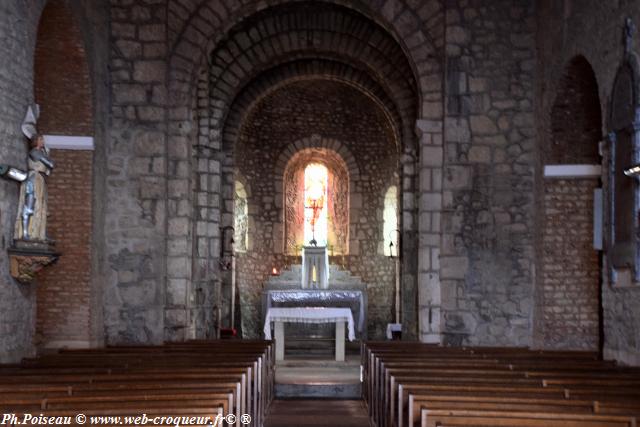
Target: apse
{"x": 287, "y": 88}
{"x": 340, "y": 157}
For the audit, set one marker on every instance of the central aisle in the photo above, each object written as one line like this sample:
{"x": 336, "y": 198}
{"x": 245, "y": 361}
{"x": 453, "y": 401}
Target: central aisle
{"x": 317, "y": 413}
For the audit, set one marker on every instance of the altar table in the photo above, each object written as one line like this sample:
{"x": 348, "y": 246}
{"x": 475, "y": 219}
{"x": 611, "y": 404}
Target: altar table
{"x": 355, "y": 299}
{"x": 279, "y": 315}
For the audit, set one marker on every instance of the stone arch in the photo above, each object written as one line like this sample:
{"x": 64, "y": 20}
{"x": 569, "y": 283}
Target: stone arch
{"x": 277, "y": 77}
{"x": 196, "y": 28}
{"x": 272, "y": 36}
{"x": 201, "y": 30}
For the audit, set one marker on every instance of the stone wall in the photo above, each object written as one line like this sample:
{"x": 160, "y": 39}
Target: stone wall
{"x": 337, "y": 116}
{"x": 136, "y": 181}
{"x": 487, "y": 266}
{"x": 594, "y": 30}
{"x": 18, "y": 27}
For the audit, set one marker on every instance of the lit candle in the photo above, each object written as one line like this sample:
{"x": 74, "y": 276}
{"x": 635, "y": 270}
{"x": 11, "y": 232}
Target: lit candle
{"x": 314, "y": 274}
{"x": 274, "y": 272}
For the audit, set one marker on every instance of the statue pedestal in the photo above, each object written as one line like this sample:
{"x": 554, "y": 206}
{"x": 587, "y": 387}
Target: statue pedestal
{"x": 27, "y": 257}
{"x": 315, "y": 267}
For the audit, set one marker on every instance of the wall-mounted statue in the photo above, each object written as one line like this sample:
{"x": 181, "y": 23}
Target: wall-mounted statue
{"x": 31, "y": 222}
{"x": 31, "y": 249}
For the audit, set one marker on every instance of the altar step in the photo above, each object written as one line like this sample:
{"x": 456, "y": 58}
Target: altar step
{"x": 292, "y": 277}
{"x": 312, "y": 376}
{"x": 318, "y": 347}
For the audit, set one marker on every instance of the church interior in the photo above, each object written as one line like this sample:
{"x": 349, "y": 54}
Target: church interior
{"x": 320, "y": 212}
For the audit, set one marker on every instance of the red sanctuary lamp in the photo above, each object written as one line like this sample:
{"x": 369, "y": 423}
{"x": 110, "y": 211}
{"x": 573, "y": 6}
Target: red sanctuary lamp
{"x": 274, "y": 272}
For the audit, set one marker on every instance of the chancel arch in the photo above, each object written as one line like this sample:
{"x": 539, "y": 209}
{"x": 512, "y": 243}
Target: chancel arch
{"x": 245, "y": 65}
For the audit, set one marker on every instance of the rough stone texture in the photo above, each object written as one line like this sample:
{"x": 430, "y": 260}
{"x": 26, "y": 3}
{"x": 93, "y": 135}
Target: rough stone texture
{"x": 18, "y": 26}
{"x": 594, "y": 30}
{"x": 136, "y": 201}
{"x": 232, "y": 63}
{"x": 570, "y": 267}
{"x": 177, "y": 92}
{"x": 486, "y": 263}
{"x": 333, "y": 111}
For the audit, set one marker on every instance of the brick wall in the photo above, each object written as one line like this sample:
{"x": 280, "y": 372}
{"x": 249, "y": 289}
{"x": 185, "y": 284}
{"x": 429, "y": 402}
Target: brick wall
{"x": 570, "y": 266}
{"x": 62, "y": 84}
{"x": 64, "y": 289}
{"x": 594, "y": 30}
{"x": 62, "y": 88}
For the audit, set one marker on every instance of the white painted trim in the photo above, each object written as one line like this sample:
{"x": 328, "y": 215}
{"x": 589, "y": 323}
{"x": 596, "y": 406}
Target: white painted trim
{"x": 572, "y": 171}
{"x": 66, "y": 142}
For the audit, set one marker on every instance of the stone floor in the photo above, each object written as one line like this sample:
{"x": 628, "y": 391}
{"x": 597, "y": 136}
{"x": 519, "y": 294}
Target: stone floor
{"x": 317, "y": 413}
{"x": 311, "y": 376}
{"x": 314, "y": 390}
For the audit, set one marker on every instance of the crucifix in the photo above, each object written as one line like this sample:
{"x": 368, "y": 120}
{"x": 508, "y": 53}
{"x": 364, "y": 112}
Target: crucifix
{"x": 316, "y": 206}
{"x": 315, "y": 193}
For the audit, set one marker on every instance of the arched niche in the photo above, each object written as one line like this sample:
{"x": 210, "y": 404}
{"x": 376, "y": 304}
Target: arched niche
{"x": 576, "y": 119}
{"x": 569, "y": 264}
{"x": 63, "y": 89}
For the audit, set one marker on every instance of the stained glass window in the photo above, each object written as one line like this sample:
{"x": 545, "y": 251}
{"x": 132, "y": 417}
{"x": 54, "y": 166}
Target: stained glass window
{"x": 316, "y": 221}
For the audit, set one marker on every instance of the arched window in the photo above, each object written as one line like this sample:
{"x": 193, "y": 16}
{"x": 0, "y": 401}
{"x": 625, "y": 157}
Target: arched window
{"x": 241, "y": 218}
{"x": 625, "y": 139}
{"x": 316, "y": 174}
{"x": 316, "y": 181}
{"x": 390, "y": 221}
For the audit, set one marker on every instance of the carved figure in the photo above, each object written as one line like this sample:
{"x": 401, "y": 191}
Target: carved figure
{"x": 31, "y": 223}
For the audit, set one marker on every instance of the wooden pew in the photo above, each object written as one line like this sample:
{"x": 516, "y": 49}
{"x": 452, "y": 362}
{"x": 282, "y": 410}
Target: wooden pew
{"x": 403, "y": 380}
{"x": 201, "y": 377}
{"x": 455, "y": 418}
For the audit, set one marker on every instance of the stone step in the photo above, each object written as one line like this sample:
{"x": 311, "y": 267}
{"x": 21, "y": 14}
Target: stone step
{"x": 308, "y": 375}
{"x": 328, "y": 390}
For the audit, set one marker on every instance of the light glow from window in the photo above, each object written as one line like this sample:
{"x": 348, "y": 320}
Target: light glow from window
{"x": 390, "y": 217}
{"x": 316, "y": 182}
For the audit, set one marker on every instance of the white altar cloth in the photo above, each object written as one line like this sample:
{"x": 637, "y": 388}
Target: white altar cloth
{"x": 309, "y": 315}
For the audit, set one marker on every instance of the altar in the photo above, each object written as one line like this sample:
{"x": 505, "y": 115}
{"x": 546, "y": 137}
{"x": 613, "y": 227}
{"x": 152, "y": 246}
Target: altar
{"x": 316, "y": 284}
{"x": 353, "y": 298}
{"x": 339, "y": 316}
